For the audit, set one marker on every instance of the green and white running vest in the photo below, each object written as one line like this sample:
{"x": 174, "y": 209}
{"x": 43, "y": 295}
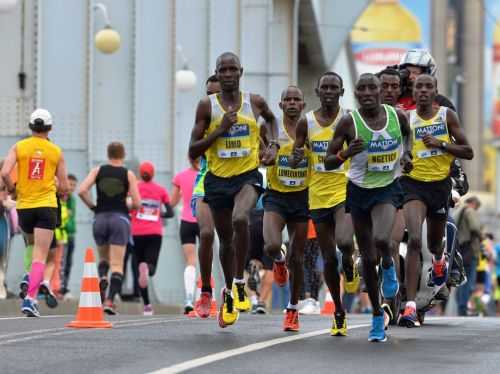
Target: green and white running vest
{"x": 378, "y": 165}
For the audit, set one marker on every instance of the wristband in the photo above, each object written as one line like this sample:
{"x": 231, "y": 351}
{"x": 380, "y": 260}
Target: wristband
{"x": 340, "y": 157}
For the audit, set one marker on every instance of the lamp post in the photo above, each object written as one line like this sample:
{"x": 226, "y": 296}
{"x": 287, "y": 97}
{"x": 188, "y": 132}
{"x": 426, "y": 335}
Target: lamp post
{"x": 106, "y": 40}
{"x": 185, "y": 79}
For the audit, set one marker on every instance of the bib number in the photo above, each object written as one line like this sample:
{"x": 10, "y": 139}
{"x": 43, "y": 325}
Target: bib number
{"x": 426, "y": 153}
{"x": 36, "y": 168}
{"x": 382, "y": 162}
{"x": 148, "y": 212}
{"x": 235, "y": 143}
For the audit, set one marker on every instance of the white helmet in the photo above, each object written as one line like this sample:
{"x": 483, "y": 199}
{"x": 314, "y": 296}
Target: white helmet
{"x": 420, "y": 58}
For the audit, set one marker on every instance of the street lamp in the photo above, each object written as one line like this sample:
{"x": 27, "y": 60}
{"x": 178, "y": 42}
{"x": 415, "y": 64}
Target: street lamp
{"x": 106, "y": 40}
{"x": 185, "y": 79}
{"x": 7, "y": 5}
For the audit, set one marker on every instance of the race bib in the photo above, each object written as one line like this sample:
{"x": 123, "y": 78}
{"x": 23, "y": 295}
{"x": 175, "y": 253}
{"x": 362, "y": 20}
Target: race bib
{"x": 149, "y": 211}
{"x": 36, "y": 168}
{"x": 235, "y": 142}
{"x": 383, "y": 155}
{"x": 318, "y": 149}
{"x": 291, "y": 177}
{"x": 431, "y": 152}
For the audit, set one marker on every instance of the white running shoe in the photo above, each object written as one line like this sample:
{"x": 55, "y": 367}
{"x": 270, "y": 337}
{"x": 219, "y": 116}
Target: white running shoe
{"x": 311, "y": 307}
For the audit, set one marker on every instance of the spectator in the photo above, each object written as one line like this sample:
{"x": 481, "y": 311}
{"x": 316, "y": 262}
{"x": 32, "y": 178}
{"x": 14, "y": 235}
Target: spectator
{"x": 469, "y": 234}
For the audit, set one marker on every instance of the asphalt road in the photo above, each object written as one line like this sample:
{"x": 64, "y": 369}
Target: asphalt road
{"x": 172, "y": 343}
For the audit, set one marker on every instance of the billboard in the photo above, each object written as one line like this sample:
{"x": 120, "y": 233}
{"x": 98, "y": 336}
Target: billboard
{"x": 386, "y": 30}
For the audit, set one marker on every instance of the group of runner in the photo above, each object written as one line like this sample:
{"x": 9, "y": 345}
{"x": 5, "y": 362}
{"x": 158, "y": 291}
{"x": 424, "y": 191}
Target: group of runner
{"x": 366, "y": 174}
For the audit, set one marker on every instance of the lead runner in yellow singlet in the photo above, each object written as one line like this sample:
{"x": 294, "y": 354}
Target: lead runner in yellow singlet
{"x": 39, "y": 162}
{"x": 437, "y": 140}
{"x": 227, "y": 132}
{"x": 327, "y": 192}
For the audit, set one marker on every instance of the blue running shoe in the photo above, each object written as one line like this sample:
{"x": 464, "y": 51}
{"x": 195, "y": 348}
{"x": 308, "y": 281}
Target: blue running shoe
{"x": 30, "y": 308}
{"x": 390, "y": 284}
{"x": 377, "y": 332}
{"x": 24, "y": 286}
{"x": 409, "y": 318}
{"x": 439, "y": 272}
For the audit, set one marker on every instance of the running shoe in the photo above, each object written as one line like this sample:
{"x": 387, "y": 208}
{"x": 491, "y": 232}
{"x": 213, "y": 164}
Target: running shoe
{"x": 29, "y": 307}
{"x": 103, "y": 286}
{"x": 202, "y": 306}
{"x": 228, "y": 314}
{"x": 280, "y": 273}
{"x": 310, "y": 307}
{"x": 50, "y": 298}
{"x": 339, "y": 325}
{"x": 148, "y": 310}
{"x": 409, "y": 318}
{"x": 241, "y": 300}
{"x": 259, "y": 308}
{"x": 377, "y": 332}
{"x": 143, "y": 275}
{"x": 291, "y": 321}
{"x": 388, "y": 315}
{"x": 390, "y": 284}
{"x": 351, "y": 280}
{"x": 188, "y": 307}
{"x": 439, "y": 271}
{"x": 109, "y": 308}
{"x": 24, "y": 286}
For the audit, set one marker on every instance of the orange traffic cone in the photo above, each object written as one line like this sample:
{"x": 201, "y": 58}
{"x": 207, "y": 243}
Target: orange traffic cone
{"x": 90, "y": 314}
{"x": 328, "y": 306}
{"x": 213, "y": 304}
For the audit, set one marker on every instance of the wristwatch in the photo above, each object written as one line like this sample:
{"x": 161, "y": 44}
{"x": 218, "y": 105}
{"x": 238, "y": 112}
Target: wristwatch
{"x": 443, "y": 146}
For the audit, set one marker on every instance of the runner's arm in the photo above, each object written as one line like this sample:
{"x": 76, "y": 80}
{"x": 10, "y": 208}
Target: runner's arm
{"x": 8, "y": 165}
{"x": 85, "y": 186}
{"x": 133, "y": 190}
{"x": 335, "y": 154}
{"x": 169, "y": 212}
{"x": 62, "y": 176}
{"x": 199, "y": 143}
{"x": 460, "y": 147}
{"x": 299, "y": 143}
{"x": 269, "y": 131}
{"x": 407, "y": 141}
{"x": 176, "y": 196}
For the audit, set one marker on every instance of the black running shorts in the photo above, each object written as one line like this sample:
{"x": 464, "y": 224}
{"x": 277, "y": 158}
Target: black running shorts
{"x": 41, "y": 218}
{"x": 188, "y": 232}
{"x": 291, "y": 206}
{"x": 435, "y": 195}
{"x": 360, "y": 201}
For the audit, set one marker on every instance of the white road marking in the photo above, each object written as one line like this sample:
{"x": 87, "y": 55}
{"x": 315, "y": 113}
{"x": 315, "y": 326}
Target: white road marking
{"x": 24, "y": 317}
{"x": 192, "y": 364}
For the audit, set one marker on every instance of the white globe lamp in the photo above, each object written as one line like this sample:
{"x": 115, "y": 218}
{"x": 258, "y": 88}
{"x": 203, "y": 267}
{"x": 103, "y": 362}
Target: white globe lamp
{"x": 107, "y": 40}
{"x": 185, "y": 79}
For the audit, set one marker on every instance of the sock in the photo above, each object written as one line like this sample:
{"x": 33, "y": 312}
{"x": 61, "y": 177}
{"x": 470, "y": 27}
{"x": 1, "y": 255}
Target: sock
{"x": 36, "y": 277}
{"x": 280, "y": 257}
{"x": 411, "y": 304}
{"x": 387, "y": 262}
{"x": 292, "y": 306}
{"x": 206, "y": 289}
{"x": 189, "y": 282}
{"x": 238, "y": 281}
{"x": 28, "y": 257}
{"x": 103, "y": 269}
{"x": 145, "y": 295}
{"x": 254, "y": 299}
{"x": 115, "y": 285}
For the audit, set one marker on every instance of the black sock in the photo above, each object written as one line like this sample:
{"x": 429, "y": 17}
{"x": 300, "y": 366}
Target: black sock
{"x": 115, "y": 286}
{"x": 145, "y": 295}
{"x": 206, "y": 289}
{"x": 103, "y": 269}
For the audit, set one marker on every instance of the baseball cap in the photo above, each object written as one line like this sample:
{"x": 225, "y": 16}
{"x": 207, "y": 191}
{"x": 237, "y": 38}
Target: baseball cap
{"x": 42, "y": 114}
{"x": 147, "y": 167}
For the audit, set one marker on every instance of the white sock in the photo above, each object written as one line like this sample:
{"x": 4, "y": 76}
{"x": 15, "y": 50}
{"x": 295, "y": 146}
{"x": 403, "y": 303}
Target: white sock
{"x": 189, "y": 281}
{"x": 240, "y": 281}
{"x": 292, "y": 306}
{"x": 254, "y": 299}
{"x": 411, "y": 304}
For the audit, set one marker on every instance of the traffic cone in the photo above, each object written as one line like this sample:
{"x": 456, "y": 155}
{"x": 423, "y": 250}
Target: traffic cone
{"x": 213, "y": 304}
{"x": 90, "y": 314}
{"x": 328, "y": 306}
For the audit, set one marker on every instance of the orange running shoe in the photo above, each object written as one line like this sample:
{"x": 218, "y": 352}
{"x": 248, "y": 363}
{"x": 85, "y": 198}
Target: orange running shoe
{"x": 280, "y": 273}
{"x": 202, "y": 306}
{"x": 291, "y": 322}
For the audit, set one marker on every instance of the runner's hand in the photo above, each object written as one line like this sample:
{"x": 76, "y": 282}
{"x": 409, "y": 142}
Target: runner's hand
{"x": 406, "y": 162}
{"x": 298, "y": 155}
{"x": 355, "y": 147}
{"x": 228, "y": 120}
{"x": 269, "y": 155}
{"x": 430, "y": 141}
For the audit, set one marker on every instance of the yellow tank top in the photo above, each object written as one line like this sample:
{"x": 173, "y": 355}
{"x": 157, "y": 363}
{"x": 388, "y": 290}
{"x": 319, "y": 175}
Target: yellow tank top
{"x": 326, "y": 188}
{"x": 281, "y": 177}
{"x": 430, "y": 164}
{"x": 37, "y": 161}
{"x": 237, "y": 151}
